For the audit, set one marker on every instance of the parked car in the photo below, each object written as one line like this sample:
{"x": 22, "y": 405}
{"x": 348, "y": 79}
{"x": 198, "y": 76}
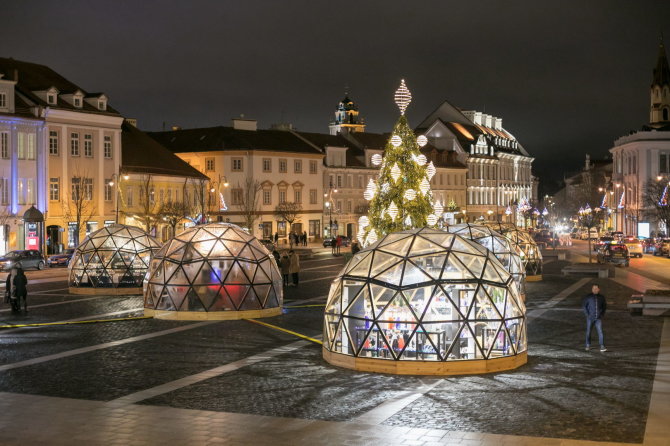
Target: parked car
{"x": 602, "y": 241}
{"x": 26, "y": 258}
{"x": 330, "y": 241}
{"x": 615, "y": 253}
{"x": 634, "y": 246}
{"x": 618, "y": 235}
{"x": 546, "y": 238}
{"x": 62, "y": 259}
{"x": 649, "y": 245}
{"x": 662, "y": 247}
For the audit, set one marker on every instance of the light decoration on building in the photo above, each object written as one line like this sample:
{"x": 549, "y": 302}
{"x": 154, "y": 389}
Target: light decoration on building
{"x": 392, "y": 210}
{"x": 424, "y": 187}
{"x": 396, "y": 140}
{"x": 664, "y": 197}
{"x": 421, "y": 140}
{"x": 622, "y": 203}
{"x": 524, "y": 205}
{"x": 430, "y": 171}
{"x": 545, "y": 212}
{"x": 603, "y": 203}
{"x": 403, "y": 97}
{"x": 408, "y": 221}
{"x": 410, "y": 194}
{"x": 222, "y": 202}
{"x": 376, "y": 159}
{"x": 395, "y": 172}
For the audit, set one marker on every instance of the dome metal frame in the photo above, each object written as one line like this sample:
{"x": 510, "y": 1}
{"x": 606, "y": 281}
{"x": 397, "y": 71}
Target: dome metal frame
{"x": 213, "y": 271}
{"x": 112, "y": 260}
{"x": 425, "y": 301}
{"x": 530, "y": 251}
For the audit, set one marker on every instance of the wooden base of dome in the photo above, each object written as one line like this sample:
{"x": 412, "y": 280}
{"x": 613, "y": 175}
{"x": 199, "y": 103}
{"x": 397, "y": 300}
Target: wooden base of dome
{"x": 212, "y": 315}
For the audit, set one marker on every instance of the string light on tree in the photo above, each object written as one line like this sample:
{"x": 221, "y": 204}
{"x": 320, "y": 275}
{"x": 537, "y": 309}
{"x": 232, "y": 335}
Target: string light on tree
{"x": 395, "y": 172}
{"x": 376, "y": 159}
{"x": 410, "y": 194}
{"x": 431, "y": 220}
{"x": 392, "y": 210}
{"x": 424, "y": 187}
{"x": 396, "y": 141}
{"x": 664, "y": 197}
{"x": 403, "y": 97}
{"x": 430, "y": 171}
{"x": 422, "y": 140}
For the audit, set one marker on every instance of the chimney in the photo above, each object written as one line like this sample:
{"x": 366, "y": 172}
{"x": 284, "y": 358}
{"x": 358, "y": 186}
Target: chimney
{"x": 132, "y": 121}
{"x": 587, "y": 162}
{"x": 245, "y": 124}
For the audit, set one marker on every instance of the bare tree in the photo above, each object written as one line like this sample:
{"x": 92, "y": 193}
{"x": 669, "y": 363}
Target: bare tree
{"x": 172, "y": 213}
{"x": 656, "y": 200}
{"x": 148, "y": 213}
{"x": 199, "y": 202}
{"x": 78, "y": 205}
{"x": 248, "y": 202}
{"x": 590, "y": 218}
{"x": 288, "y": 212}
{"x": 5, "y": 215}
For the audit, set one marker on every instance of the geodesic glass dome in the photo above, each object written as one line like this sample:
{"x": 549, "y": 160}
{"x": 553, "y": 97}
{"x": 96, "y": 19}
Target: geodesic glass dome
{"x": 508, "y": 253}
{"x": 530, "y": 252}
{"x": 424, "y": 295}
{"x": 116, "y": 256}
{"x": 213, "y": 268}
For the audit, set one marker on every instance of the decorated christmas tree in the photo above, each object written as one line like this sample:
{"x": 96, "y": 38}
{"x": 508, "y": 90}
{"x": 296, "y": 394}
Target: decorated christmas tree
{"x": 401, "y": 197}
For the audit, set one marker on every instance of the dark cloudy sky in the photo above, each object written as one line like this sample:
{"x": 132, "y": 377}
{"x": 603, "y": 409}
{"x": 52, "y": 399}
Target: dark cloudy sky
{"x": 567, "y": 77}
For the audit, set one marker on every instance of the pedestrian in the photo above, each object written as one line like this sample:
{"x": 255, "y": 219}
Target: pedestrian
{"x": 276, "y": 255}
{"x": 295, "y": 266}
{"x": 355, "y": 247}
{"x": 276, "y": 238}
{"x": 304, "y": 238}
{"x": 594, "y": 306}
{"x": 10, "y": 291}
{"x": 333, "y": 245}
{"x": 338, "y": 243}
{"x": 285, "y": 267}
{"x": 20, "y": 288}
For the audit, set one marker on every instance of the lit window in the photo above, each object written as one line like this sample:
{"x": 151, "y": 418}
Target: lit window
{"x": 74, "y": 144}
{"x": 297, "y": 166}
{"x": 3, "y": 100}
{"x": 282, "y": 166}
{"x": 107, "y": 146}
{"x": 313, "y": 166}
{"x": 53, "y": 143}
{"x": 237, "y": 164}
{"x": 209, "y": 164}
{"x": 30, "y": 152}
{"x": 21, "y": 149}
{"x": 54, "y": 189}
{"x": 88, "y": 145}
{"x": 267, "y": 165}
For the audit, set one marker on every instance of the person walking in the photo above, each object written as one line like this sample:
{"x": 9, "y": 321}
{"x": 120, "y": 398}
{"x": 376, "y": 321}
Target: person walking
{"x": 304, "y": 238}
{"x": 276, "y": 238}
{"x": 285, "y": 267}
{"x": 338, "y": 243}
{"x": 10, "y": 291}
{"x": 594, "y": 306}
{"x": 20, "y": 288}
{"x": 294, "y": 266}
{"x": 276, "y": 255}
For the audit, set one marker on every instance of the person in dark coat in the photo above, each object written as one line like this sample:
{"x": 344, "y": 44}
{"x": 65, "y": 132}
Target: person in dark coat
{"x": 285, "y": 267}
{"x": 276, "y": 238}
{"x": 294, "y": 266}
{"x": 594, "y": 306}
{"x": 355, "y": 247}
{"x": 10, "y": 296}
{"x": 304, "y": 238}
{"x": 20, "y": 288}
{"x": 276, "y": 255}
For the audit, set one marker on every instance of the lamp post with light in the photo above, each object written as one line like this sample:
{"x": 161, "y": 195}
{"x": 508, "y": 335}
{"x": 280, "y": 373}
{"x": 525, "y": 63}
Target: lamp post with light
{"x": 328, "y": 202}
{"x": 116, "y": 181}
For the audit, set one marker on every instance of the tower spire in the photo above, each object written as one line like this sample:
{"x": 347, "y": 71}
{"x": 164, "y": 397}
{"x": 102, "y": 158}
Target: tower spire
{"x": 660, "y": 89}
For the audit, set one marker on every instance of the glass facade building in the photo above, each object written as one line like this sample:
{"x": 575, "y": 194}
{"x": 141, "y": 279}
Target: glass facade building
{"x": 112, "y": 260}
{"x": 213, "y": 271}
{"x": 425, "y": 296}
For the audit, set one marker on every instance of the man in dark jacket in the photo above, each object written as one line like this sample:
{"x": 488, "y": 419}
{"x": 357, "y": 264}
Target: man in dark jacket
{"x": 594, "y": 306}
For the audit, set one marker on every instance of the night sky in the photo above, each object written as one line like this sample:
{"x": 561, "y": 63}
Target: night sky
{"x": 567, "y": 77}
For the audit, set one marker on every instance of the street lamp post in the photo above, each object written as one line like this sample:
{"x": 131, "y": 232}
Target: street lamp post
{"x": 329, "y": 204}
{"x": 117, "y": 181}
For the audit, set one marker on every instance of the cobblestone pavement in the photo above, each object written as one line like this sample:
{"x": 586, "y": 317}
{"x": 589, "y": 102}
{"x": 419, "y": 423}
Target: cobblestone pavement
{"x": 562, "y": 393}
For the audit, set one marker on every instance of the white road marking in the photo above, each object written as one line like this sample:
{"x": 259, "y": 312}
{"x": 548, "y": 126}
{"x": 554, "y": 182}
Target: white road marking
{"x": 394, "y": 405}
{"x": 83, "y": 318}
{"x": 546, "y": 306}
{"x": 51, "y": 304}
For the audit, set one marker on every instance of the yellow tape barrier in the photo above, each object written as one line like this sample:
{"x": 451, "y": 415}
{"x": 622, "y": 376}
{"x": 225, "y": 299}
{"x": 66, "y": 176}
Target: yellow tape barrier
{"x": 94, "y": 321}
{"x": 265, "y": 324}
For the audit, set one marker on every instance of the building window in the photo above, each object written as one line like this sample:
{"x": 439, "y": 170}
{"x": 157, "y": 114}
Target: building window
{"x": 663, "y": 163}
{"x": 88, "y": 145}
{"x": 4, "y": 145}
{"x": 108, "y": 190}
{"x": 297, "y": 166}
{"x": 53, "y": 143}
{"x": 209, "y": 164}
{"x": 267, "y": 196}
{"x": 107, "y": 147}
{"x": 282, "y": 196}
{"x": 77, "y": 102}
{"x": 4, "y": 190}
{"x": 54, "y": 189}
{"x": 313, "y": 166}
{"x": 236, "y": 196}
{"x": 339, "y": 181}
{"x": 281, "y": 228}
{"x": 349, "y": 205}
{"x": 30, "y": 153}
{"x": 74, "y": 144}
{"x": 102, "y": 105}
{"x": 283, "y": 166}
{"x": 315, "y": 228}
{"x": 267, "y": 165}
{"x": 297, "y": 196}
{"x": 88, "y": 189}
{"x": 312, "y": 196}
{"x": 237, "y": 164}
{"x": 76, "y": 188}
{"x": 3, "y": 100}
{"x": 22, "y": 146}
{"x": 129, "y": 196}
{"x": 51, "y": 99}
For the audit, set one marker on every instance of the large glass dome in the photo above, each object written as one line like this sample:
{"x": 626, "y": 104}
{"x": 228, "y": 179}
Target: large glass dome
{"x": 530, "y": 252}
{"x": 508, "y": 253}
{"x": 112, "y": 260}
{"x": 436, "y": 300}
{"x": 213, "y": 271}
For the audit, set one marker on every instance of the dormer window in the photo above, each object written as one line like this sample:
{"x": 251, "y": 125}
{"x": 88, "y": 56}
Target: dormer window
{"x": 77, "y": 102}
{"x": 51, "y": 99}
{"x": 102, "y": 105}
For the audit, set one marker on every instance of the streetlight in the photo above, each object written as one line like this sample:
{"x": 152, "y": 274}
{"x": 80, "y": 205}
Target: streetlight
{"x": 328, "y": 202}
{"x": 115, "y": 180}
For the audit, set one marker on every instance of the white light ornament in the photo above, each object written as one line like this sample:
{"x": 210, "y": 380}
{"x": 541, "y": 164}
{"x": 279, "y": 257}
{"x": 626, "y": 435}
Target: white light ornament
{"x": 364, "y": 221}
{"x": 386, "y": 187}
{"x": 361, "y": 236}
{"x": 421, "y": 160}
{"x": 408, "y": 221}
{"x": 431, "y": 220}
{"x": 370, "y": 190}
{"x": 372, "y": 238}
{"x": 431, "y": 170}
{"x": 392, "y": 210}
{"x": 376, "y": 159}
{"x": 424, "y": 187}
{"x": 438, "y": 208}
{"x": 422, "y": 140}
{"x": 395, "y": 172}
{"x": 396, "y": 141}
{"x": 409, "y": 195}
{"x": 403, "y": 97}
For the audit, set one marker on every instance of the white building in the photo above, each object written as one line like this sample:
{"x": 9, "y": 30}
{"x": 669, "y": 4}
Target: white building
{"x": 643, "y": 156}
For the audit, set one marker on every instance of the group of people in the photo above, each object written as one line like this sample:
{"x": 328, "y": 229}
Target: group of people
{"x": 294, "y": 239}
{"x": 289, "y": 264}
{"x": 16, "y": 290}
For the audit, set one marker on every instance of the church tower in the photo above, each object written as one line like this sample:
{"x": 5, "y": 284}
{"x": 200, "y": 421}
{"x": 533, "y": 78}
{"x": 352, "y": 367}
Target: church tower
{"x": 347, "y": 118}
{"x": 660, "y": 91}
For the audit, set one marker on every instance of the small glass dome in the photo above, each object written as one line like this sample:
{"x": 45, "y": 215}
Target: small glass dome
{"x": 115, "y": 257}
{"x": 213, "y": 271}
{"x": 424, "y": 295}
{"x": 530, "y": 252}
{"x": 508, "y": 253}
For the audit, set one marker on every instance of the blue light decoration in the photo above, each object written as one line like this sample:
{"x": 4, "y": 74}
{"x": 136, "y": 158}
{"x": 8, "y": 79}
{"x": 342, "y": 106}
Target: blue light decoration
{"x": 621, "y": 201}
{"x": 664, "y": 197}
{"x": 603, "y": 205}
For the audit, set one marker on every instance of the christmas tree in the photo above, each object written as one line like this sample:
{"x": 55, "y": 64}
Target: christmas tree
{"x": 401, "y": 197}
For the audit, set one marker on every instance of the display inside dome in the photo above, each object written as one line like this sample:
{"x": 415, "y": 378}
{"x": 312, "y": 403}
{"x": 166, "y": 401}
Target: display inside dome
{"x": 116, "y": 256}
{"x": 216, "y": 267}
{"x": 424, "y": 295}
{"x": 530, "y": 252}
{"x": 508, "y": 253}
